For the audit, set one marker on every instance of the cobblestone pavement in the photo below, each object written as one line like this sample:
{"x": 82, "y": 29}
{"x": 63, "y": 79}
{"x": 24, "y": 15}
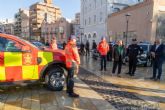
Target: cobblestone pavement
{"x": 36, "y": 97}
{"x": 121, "y": 100}
{"x": 138, "y": 92}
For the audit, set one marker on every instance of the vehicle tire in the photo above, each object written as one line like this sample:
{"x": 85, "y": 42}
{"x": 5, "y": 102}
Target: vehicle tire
{"x": 55, "y": 79}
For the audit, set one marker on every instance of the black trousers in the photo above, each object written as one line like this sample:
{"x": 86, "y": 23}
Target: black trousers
{"x": 157, "y": 65}
{"x": 103, "y": 62}
{"x": 132, "y": 65}
{"x": 69, "y": 80}
{"x": 109, "y": 56}
{"x": 115, "y": 65}
{"x": 87, "y": 52}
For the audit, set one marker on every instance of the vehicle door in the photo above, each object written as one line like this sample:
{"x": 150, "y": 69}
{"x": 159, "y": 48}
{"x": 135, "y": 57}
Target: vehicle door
{"x": 17, "y": 61}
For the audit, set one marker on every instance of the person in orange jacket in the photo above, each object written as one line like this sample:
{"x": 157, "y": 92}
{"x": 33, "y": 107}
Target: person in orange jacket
{"x": 72, "y": 64}
{"x": 103, "y": 49}
{"x": 53, "y": 44}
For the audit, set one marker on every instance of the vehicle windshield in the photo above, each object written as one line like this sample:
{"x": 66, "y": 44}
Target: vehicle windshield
{"x": 27, "y": 42}
{"x": 144, "y": 47}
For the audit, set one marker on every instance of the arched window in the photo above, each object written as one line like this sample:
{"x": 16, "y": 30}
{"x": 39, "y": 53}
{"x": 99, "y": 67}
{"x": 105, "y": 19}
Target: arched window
{"x": 94, "y": 36}
{"x": 89, "y": 36}
{"x": 85, "y": 36}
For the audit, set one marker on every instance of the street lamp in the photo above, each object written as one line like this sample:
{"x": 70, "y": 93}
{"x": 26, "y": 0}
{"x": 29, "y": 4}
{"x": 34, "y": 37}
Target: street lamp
{"x": 127, "y": 21}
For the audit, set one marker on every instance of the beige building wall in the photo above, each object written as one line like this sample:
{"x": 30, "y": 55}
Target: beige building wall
{"x": 142, "y": 22}
{"x": 41, "y": 12}
{"x": 9, "y": 28}
{"x": 139, "y": 25}
{"x": 25, "y": 32}
{"x": 48, "y": 1}
{"x": 21, "y": 27}
{"x": 61, "y": 29}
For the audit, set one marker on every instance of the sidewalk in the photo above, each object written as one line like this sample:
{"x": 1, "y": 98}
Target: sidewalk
{"x": 150, "y": 91}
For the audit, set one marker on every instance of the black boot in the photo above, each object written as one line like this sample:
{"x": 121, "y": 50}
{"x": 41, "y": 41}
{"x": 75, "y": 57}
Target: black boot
{"x": 74, "y": 95}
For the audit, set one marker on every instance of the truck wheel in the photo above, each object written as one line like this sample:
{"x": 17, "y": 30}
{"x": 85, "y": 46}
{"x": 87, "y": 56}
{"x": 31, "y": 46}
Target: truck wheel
{"x": 55, "y": 79}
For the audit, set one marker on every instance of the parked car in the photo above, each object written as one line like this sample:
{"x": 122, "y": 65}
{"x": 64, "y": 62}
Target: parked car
{"x": 20, "y": 60}
{"x": 60, "y": 46}
{"x": 39, "y": 44}
{"x": 144, "y": 58}
{"x": 95, "y": 54}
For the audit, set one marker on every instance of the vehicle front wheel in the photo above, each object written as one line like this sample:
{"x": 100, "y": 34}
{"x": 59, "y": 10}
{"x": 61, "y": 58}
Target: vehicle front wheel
{"x": 55, "y": 79}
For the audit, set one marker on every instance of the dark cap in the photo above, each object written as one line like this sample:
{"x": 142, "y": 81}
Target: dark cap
{"x": 102, "y": 37}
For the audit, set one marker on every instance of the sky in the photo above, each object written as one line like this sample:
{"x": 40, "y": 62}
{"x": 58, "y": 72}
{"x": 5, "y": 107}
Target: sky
{"x": 9, "y": 7}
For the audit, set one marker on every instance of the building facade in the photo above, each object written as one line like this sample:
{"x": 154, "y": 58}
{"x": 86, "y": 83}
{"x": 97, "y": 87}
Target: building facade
{"x": 1, "y": 27}
{"x": 22, "y": 24}
{"x": 42, "y": 12}
{"x": 94, "y": 15}
{"x": 77, "y": 19}
{"x": 9, "y": 28}
{"x": 76, "y": 29}
{"x": 61, "y": 29}
{"x": 146, "y": 22}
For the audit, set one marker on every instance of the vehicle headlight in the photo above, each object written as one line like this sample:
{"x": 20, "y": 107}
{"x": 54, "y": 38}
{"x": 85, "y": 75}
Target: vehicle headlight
{"x": 143, "y": 55}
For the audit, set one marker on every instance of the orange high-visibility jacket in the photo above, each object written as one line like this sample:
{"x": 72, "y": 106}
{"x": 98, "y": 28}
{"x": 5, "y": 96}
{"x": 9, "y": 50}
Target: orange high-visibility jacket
{"x": 103, "y": 48}
{"x": 53, "y": 46}
{"x": 71, "y": 55}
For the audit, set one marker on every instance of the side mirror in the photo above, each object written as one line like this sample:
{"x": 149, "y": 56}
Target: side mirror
{"x": 25, "y": 49}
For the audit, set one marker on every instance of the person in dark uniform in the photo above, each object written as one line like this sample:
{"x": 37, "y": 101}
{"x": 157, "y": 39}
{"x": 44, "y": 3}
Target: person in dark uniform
{"x": 132, "y": 53}
{"x": 87, "y": 47}
{"x": 82, "y": 48}
{"x": 94, "y": 45}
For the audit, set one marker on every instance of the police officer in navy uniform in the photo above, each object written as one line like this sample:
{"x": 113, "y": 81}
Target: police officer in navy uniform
{"x": 132, "y": 53}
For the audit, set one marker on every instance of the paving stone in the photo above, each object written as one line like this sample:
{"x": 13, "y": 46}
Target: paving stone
{"x": 113, "y": 94}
